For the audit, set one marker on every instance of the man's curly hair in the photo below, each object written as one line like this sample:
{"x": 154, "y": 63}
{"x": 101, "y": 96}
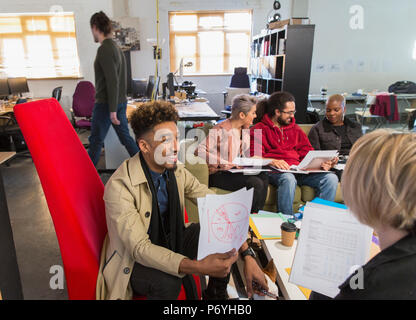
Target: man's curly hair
{"x": 150, "y": 114}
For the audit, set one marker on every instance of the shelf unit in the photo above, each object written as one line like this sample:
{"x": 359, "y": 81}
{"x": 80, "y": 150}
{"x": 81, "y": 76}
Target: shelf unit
{"x": 281, "y": 61}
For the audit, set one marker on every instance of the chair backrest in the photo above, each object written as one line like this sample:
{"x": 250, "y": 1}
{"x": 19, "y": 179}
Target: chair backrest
{"x": 73, "y": 191}
{"x": 240, "y": 78}
{"x": 83, "y": 99}
{"x": 56, "y": 93}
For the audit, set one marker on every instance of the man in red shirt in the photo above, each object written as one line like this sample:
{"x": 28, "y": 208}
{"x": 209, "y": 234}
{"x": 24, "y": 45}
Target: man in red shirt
{"x": 285, "y": 142}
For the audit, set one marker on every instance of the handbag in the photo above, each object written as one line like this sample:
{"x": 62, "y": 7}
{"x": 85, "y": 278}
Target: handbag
{"x": 403, "y": 87}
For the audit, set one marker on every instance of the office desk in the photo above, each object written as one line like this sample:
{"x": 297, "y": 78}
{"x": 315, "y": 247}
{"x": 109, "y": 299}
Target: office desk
{"x": 283, "y": 259}
{"x": 115, "y": 153}
{"x": 9, "y": 105}
{"x": 360, "y": 99}
{"x": 10, "y": 285}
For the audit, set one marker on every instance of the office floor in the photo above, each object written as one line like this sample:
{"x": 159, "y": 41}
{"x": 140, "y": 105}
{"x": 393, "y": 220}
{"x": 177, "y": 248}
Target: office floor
{"x": 34, "y": 234}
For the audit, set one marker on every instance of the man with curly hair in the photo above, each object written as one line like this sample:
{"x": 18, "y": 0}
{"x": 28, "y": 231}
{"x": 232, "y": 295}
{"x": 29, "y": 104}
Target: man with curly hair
{"x": 149, "y": 249}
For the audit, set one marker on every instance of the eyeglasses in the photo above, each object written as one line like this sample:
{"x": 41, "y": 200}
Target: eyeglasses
{"x": 289, "y": 112}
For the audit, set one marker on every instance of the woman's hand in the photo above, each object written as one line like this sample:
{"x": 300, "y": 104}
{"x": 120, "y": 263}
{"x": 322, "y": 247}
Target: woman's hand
{"x": 227, "y": 166}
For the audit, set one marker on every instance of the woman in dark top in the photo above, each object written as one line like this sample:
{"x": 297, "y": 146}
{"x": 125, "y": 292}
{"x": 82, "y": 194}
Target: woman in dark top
{"x": 335, "y": 132}
{"x": 378, "y": 187}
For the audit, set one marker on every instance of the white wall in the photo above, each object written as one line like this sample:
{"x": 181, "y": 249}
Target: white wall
{"x": 142, "y": 61}
{"x": 83, "y": 10}
{"x": 384, "y": 46}
{"x": 372, "y": 58}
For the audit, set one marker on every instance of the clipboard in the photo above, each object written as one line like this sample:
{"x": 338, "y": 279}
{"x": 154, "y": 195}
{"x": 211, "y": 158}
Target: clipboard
{"x": 279, "y": 218}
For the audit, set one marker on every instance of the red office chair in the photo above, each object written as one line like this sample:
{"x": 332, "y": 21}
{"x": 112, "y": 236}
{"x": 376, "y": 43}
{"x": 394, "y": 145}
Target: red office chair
{"x": 73, "y": 190}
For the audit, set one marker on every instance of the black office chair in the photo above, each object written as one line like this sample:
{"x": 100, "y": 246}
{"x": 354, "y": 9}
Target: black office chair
{"x": 56, "y": 93}
{"x": 12, "y": 137}
{"x": 240, "y": 84}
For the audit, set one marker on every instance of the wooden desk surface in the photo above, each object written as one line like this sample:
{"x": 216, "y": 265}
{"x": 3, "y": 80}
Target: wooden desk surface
{"x": 4, "y": 156}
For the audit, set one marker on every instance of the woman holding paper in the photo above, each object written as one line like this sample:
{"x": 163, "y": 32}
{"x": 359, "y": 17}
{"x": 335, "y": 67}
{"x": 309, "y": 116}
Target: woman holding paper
{"x": 228, "y": 140}
{"x": 379, "y": 187}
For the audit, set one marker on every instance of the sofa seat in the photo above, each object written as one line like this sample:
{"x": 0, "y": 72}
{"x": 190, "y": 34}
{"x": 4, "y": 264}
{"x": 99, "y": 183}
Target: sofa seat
{"x": 303, "y": 194}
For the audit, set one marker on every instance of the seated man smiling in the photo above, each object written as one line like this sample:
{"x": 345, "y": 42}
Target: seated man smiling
{"x": 279, "y": 138}
{"x": 149, "y": 249}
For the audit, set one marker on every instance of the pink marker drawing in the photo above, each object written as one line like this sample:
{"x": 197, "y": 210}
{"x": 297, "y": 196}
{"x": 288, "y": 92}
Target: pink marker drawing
{"x": 227, "y": 221}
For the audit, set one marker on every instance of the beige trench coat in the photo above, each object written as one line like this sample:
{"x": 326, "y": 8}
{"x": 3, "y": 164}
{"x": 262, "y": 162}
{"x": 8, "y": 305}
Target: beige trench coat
{"x": 128, "y": 206}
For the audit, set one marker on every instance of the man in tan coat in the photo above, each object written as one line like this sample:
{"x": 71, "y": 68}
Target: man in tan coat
{"x": 149, "y": 250}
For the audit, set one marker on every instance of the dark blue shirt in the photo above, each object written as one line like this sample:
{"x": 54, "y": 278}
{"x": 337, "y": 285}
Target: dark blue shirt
{"x": 159, "y": 181}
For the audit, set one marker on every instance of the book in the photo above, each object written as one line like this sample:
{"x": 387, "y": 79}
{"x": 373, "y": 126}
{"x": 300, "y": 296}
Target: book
{"x": 249, "y": 171}
{"x": 251, "y": 162}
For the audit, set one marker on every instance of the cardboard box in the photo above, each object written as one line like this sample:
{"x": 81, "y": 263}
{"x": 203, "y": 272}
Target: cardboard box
{"x": 282, "y": 23}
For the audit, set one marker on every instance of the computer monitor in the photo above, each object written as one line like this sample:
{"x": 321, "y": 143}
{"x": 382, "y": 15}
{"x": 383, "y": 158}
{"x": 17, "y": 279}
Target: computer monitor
{"x": 18, "y": 85}
{"x": 138, "y": 88}
{"x": 4, "y": 88}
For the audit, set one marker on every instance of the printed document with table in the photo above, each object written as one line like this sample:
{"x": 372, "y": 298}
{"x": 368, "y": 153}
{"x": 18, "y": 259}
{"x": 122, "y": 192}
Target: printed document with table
{"x": 331, "y": 244}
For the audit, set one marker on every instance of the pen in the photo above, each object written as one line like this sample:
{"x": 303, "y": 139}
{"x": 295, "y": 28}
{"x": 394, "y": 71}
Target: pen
{"x": 257, "y": 287}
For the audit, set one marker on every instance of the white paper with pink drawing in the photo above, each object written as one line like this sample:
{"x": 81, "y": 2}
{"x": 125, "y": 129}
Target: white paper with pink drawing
{"x": 224, "y": 221}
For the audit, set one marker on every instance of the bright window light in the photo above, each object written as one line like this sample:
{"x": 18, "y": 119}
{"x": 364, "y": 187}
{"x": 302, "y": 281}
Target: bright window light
{"x": 38, "y": 45}
{"x": 414, "y": 51}
{"x": 215, "y": 42}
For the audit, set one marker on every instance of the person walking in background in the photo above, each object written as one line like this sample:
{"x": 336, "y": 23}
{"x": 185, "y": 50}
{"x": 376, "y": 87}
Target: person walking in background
{"x": 111, "y": 90}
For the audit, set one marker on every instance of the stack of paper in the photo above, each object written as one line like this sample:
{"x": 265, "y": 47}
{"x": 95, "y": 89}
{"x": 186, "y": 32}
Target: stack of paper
{"x": 224, "y": 221}
{"x": 332, "y": 243}
{"x": 251, "y": 166}
{"x": 251, "y": 162}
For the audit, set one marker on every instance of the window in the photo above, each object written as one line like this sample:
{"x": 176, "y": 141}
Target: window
{"x": 210, "y": 42}
{"x": 38, "y": 46}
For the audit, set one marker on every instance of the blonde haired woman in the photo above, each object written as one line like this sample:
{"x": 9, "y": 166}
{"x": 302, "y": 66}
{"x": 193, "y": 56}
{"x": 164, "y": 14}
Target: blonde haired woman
{"x": 379, "y": 187}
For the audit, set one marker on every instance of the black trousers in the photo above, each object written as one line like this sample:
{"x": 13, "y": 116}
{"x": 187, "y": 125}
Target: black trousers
{"x": 235, "y": 181}
{"x": 158, "y": 285}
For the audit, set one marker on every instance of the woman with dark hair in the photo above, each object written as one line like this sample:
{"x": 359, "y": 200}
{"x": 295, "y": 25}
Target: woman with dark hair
{"x": 279, "y": 138}
{"x": 110, "y": 90}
